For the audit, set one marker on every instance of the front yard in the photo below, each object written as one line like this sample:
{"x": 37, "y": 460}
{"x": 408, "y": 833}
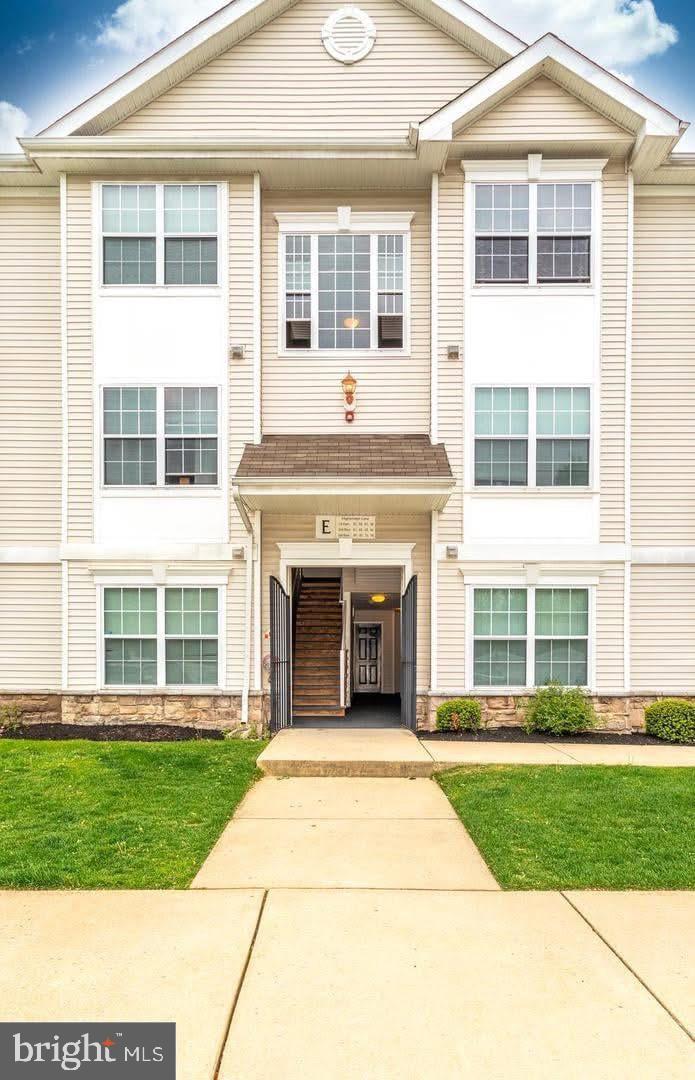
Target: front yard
{"x": 116, "y": 815}
{"x": 579, "y": 827}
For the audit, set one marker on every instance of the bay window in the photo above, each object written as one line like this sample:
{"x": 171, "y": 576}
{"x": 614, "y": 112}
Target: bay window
{"x": 160, "y": 436}
{"x": 526, "y": 637}
{"x": 161, "y": 636}
{"x": 159, "y": 234}
{"x": 504, "y": 454}
{"x": 344, "y": 291}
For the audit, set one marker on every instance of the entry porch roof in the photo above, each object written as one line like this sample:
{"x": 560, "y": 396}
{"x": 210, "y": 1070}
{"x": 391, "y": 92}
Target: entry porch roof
{"x": 389, "y": 474}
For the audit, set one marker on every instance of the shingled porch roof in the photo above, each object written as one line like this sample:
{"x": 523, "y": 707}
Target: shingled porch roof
{"x": 345, "y": 473}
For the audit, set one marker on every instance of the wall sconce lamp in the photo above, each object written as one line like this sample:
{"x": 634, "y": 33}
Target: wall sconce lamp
{"x": 349, "y": 385}
{"x": 237, "y": 352}
{"x": 453, "y": 352}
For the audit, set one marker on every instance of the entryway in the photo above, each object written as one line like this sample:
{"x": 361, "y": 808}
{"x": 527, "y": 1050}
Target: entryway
{"x": 343, "y": 647}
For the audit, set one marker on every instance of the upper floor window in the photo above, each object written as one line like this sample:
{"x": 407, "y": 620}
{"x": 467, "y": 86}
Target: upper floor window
{"x": 159, "y": 234}
{"x": 344, "y": 291}
{"x": 558, "y": 456}
{"x": 533, "y": 233}
{"x": 157, "y": 436}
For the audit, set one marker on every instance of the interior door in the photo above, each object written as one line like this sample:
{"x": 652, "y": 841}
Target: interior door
{"x": 280, "y": 657}
{"x": 368, "y": 658}
{"x": 409, "y": 655}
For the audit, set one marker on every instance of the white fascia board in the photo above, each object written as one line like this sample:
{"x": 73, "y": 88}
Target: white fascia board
{"x": 478, "y": 24}
{"x": 658, "y": 121}
{"x": 359, "y": 221}
{"x": 358, "y": 485}
{"x": 153, "y": 66}
{"x": 548, "y": 169}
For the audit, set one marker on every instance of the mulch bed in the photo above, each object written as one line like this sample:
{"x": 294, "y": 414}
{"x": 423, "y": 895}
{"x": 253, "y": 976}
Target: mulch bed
{"x": 518, "y": 735}
{"x": 112, "y": 732}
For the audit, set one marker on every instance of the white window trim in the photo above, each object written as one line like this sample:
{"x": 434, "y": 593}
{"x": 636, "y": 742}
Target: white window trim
{"x": 343, "y": 220}
{"x": 159, "y": 286}
{"x": 517, "y": 582}
{"x": 532, "y": 487}
{"x": 574, "y": 172}
{"x": 161, "y": 489}
{"x": 161, "y": 686}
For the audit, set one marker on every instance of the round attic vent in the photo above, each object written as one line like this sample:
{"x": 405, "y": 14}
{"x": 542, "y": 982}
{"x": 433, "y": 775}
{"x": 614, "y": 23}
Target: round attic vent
{"x": 348, "y": 35}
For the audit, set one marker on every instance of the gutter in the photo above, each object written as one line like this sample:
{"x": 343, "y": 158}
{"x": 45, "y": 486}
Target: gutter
{"x": 248, "y": 611}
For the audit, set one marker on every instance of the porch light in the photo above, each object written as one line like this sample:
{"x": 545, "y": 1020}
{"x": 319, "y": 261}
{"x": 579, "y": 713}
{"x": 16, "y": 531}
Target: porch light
{"x": 378, "y": 598}
{"x": 349, "y": 385}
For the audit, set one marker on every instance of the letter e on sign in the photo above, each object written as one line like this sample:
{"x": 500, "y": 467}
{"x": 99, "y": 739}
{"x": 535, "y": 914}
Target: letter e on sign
{"x": 325, "y": 528}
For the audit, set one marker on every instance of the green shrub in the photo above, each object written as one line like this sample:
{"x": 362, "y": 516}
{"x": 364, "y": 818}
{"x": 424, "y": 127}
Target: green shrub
{"x": 459, "y": 714}
{"x": 10, "y": 718}
{"x": 559, "y": 710}
{"x": 672, "y": 719}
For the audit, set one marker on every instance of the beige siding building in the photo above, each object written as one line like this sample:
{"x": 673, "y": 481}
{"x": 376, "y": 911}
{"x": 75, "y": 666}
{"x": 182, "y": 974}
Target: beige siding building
{"x": 347, "y": 364}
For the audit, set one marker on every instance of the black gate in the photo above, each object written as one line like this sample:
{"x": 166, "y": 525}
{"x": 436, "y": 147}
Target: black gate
{"x": 409, "y": 655}
{"x": 280, "y": 657}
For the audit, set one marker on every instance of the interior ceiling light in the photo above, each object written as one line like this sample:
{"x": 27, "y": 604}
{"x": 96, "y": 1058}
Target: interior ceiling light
{"x": 378, "y": 598}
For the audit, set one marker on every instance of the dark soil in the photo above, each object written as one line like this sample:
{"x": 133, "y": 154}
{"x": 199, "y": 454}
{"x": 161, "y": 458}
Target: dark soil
{"x": 112, "y": 732}
{"x": 518, "y": 735}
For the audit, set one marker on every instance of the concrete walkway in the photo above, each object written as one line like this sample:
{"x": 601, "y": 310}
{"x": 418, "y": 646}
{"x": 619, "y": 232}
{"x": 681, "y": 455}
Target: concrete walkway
{"x": 397, "y": 752}
{"x": 345, "y": 833}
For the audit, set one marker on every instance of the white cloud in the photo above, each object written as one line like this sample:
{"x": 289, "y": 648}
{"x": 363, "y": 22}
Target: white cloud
{"x": 14, "y": 123}
{"x": 612, "y": 32}
{"x": 140, "y": 27}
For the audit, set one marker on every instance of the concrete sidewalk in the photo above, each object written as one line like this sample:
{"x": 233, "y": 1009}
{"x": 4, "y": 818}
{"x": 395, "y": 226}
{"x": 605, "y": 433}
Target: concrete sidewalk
{"x": 340, "y": 833}
{"x": 448, "y": 754}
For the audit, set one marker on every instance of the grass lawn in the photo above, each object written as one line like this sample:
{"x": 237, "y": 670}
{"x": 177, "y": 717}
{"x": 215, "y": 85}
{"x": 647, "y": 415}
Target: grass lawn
{"x": 115, "y": 815}
{"x": 579, "y": 827}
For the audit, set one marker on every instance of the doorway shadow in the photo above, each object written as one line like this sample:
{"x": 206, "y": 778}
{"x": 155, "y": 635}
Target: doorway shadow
{"x": 367, "y": 711}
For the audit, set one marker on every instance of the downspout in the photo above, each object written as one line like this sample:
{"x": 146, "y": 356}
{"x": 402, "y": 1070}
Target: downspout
{"x": 248, "y": 610}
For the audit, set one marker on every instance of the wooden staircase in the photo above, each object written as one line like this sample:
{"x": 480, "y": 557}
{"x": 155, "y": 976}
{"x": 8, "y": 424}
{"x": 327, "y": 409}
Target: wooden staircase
{"x": 317, "y": 639}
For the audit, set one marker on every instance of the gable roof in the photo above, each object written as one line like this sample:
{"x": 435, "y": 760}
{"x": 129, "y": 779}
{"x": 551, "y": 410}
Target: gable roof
{"x": 230, "y": 24}
{"x": 620, "y": 102}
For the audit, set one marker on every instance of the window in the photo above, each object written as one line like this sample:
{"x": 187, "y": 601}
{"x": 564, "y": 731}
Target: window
{"x": 561, "y": 459}
{"x": 161, "y": 636}
{"x": 141, "y": 451}
{"x": 129, "y": 415}
{"x": 537, "y": 233}
{"x": 562, "y": 636}
{"x": 159, "y": 234}
{"x": 130, "y": 637}
{"x": 190, "y": 627}
{"x": 190, "y": 428}
{"x": 501, "y": 232}
{"x": 564, "y": 232}
{"x": 504, "y": 456}
{"x": 500, "y": 459}
{"x": 524, "y": 637}
{"x": 500, "y": 618}
{"x": 344, "y": 291}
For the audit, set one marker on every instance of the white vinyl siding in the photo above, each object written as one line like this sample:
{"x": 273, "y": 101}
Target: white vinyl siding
{"x": 30, "y": 627}
{"x": 30, "y": 371}
{"x": 280, "y": 83}
{"x": 663, "y": 629}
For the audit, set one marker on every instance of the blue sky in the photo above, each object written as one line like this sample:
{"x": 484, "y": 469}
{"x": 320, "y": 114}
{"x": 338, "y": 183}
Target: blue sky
{"x": 53, "y": 54}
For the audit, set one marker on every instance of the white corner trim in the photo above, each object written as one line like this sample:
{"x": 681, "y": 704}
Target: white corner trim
{"x": 657, "y": 119}
{"x": 257, "y": 402}
{"x": 530, "y": 168}
{"x": 434, "y": 309}
{"x": 330, "y": 222}
{"x": 64, "y": 456}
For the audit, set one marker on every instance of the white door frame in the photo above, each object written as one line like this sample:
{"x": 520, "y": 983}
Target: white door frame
{"x": 345, "y": 554}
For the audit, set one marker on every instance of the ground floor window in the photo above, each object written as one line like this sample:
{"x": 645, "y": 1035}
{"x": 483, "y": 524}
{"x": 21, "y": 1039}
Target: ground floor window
{"x": 530, "y": 636}
{"x": 161, "y": 635}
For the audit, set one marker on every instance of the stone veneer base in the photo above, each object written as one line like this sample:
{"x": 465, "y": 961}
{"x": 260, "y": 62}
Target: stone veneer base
{"x": 624, "y": 713}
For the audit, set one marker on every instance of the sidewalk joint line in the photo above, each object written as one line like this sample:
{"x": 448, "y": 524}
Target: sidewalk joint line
{"x": 625, "y": 964}
{"x": 242, "y": 979}
{"x": 562, "y": 750}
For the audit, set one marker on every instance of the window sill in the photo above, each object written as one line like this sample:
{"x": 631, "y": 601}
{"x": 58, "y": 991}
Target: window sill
{"x": 344, "y": 354}
{"x": 517, "y": 492}
{"x": 144, "y": 492}
{"x": 499, "y": 288}
{"x": 142, "y": 691}
{"x": 160, "y": 290}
